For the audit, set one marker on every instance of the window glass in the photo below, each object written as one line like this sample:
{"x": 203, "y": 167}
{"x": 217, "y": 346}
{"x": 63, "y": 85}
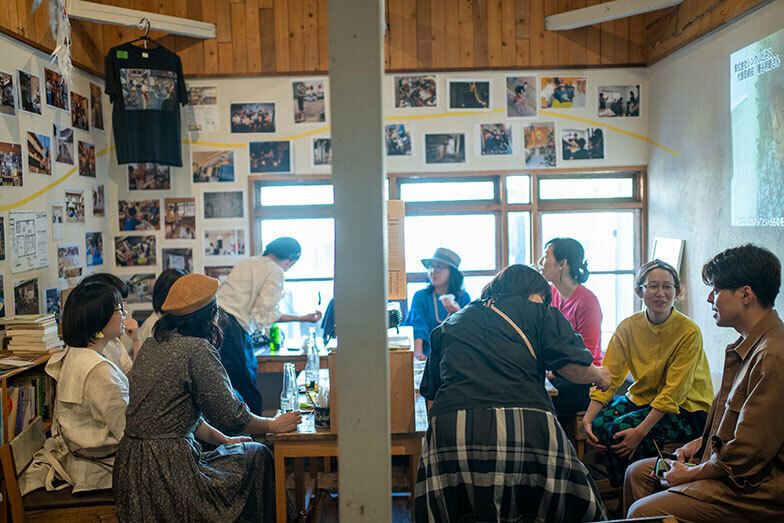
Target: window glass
{"x": 471, "y": 236}
{"x": 519, "y": 238}
{"x": 447, "y": 191}
{"x": 585, "y": 188}
{"x": 607, "y": 236}
{"x": 302, "y": 297}
{"x": 317, "y": 238}
{"x": 279, "y": 195}
{"x": 518, "y": 189}
{"x": 615, "y": 293}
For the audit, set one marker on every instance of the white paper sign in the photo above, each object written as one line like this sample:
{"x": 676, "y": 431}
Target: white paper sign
{"x": 201, "y": 114}
{"x": 29, "y": 232}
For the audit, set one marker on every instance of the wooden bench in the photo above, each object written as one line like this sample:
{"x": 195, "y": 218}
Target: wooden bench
{"x": 41, "y": 505}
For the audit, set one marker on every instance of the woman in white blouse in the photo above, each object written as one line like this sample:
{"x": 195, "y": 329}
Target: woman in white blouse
{"x": 250, "y": 298}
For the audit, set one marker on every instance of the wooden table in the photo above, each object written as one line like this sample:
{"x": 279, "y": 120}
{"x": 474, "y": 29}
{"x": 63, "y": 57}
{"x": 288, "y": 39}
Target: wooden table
{"x": 269, "y": 361}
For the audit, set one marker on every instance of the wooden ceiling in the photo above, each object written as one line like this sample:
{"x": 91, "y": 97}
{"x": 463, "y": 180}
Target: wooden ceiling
{"x": 289, "y": 37}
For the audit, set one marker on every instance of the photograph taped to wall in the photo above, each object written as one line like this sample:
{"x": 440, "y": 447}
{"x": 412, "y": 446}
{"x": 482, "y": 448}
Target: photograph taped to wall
{"x": 757, "y": 121}
{"x": 152, "y": 89}
{"x": 322, "y": 152}
{"x": 99, "y": 200}
{"x": 29, "y": 92}
{"x": 219, "y": 272}
{"x": 93, "y": 242}
{"x": 212, "y": 166}
{"x": 201, "y": 112}
{"x": 494, "y": 139}
{"x": 7, "y": 97}
{"x": 58, "y": 219}
{"x": 469, "y": 95}
{"x": 141, "y": 315}
{"x": 96, "y": 106}
{"x": 27, "y": 298}
{"x": 131, "y": 251}
{"x": 52, "y": 299}
{"x": 582, "y": 144}
{"x": 563, "y": 92}
{"x": 270, "y": 157}
{"x": 398, "y": 139}
{"x": 2, "y": 238}
{"x": 223, "y": 204}
{"x": 178, "y": 258}
{"x": 180, "y": 219}
{"x": 253, "y": 117}
{"x": 63, "y": 144}
{"x": 224, "y": 242}
{"x": 68, "y": 264}
{"x": 79, "y": 112}
{"x": 2, "y": 300}
{"x": 64, "y": 295}
{"x": 309, "y": 101}
{"x": 29, "y": 240}
{"x": 140, "y": 287}
{"x": 445, "y": 148}
{"x": 539, "y": 140}
{"x": 619, "y": 100}
{"x": 39, "y": 153}
{"x": 56, "y": 90}
{"x": 139, "y": 215}
{"x": 416, "y": 91}
{"x": 521, "y": 97}
{"x": 74, "y": 205}
{"x": 148, "y": 177}
{"x": 86, "y": 159}
{"x": 10, "y": 164}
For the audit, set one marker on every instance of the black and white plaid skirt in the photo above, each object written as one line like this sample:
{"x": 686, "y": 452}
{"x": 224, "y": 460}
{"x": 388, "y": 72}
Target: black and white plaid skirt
{"x": 504, "y": 464}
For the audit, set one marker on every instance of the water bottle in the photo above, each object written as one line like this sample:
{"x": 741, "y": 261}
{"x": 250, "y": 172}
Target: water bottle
{"x": 312, "y": 365}
{"x": 288, "y": 395}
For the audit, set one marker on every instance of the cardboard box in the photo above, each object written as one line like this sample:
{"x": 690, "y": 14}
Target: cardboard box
{"x": 401, "y": 391}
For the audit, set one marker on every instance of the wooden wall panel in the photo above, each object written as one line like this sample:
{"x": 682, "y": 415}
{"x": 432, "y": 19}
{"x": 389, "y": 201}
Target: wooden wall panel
{"x": 268, "y": 37}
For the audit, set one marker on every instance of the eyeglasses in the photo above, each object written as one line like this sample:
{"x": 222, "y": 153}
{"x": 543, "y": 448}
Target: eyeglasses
{"x": 436, "y": 268}
{"x": 654, "y": 287}
{"x": 122, "y": 308}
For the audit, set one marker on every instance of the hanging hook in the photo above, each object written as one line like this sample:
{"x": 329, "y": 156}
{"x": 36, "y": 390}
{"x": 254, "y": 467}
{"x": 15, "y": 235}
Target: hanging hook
{"x": 145, "y": 24}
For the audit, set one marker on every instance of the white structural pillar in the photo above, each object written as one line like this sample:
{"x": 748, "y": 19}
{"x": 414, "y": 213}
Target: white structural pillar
{"x": 356, "y": 73}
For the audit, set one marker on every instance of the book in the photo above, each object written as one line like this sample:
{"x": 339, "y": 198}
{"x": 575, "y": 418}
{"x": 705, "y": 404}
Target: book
{"x": 26, "y": 318}
{"x": 27, "y": 331}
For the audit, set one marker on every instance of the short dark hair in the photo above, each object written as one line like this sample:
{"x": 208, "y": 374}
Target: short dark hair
{"x": 749, "y": 265}
{"x": 519, "y": 280}
{"x": 162, "y": 285}
{"x": 205, "y": 323}
{"x": 86, "y": 311}
{"x": 284, "y": 248}
{"x": 572, "y": 251}
{"x": 109, "y": 279}
{"x": 455, "y": 283}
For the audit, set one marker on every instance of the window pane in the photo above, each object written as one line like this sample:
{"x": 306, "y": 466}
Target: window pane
{"x": 471, "y": 236}
{"x": 585, "y": 188}
{"x": 302, "y": 297}
{"x": 276, "y": 195}
{"x": 518, "y": 189}
{"x": 519, "y": 238}
{"x": 447, "y": 191}
{"x": 616, "y": 298}
{"x": 607, "y": 237}
{"x": 317, "y": 237}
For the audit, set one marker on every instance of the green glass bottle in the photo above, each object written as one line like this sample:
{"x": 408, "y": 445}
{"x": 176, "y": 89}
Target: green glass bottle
{"x": 274, "y": 337}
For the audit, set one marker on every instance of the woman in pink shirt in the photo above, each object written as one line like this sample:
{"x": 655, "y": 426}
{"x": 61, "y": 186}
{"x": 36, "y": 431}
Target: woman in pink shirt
{"x": 564, "y": 267}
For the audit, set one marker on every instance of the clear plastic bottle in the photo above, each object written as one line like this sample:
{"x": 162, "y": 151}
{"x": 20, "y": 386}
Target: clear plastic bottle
{"x": 288, "y": 395}
{"x": 312, "y": 365}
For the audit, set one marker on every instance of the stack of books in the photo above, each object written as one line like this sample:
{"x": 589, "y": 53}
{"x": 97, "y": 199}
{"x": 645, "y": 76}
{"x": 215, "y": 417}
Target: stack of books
{"x": 32, "y": 333}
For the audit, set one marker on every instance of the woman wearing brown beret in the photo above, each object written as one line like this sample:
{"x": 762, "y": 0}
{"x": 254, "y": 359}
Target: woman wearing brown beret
{"x": 177, "y": 383}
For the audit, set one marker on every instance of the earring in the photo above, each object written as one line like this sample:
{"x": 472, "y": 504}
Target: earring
{"x": 99, "y": 335}
{"x": 560, "y": 275}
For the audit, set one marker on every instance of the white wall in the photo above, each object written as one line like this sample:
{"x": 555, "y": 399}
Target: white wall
{"x": 14, "y": 55}
{"x": 689, "y": 196}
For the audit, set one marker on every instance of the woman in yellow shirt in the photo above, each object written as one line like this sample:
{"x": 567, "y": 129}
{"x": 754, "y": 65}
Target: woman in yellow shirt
{"x": 672, "y": 390}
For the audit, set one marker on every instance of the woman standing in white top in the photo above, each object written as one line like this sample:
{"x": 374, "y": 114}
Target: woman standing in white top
{"x": 250, "y": 298}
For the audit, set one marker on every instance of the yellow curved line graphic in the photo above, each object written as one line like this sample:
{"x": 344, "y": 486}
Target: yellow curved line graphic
{"x": 611, "y": 128}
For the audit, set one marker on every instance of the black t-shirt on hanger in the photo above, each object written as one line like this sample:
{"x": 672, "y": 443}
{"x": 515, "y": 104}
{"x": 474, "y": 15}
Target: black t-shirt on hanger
{"x": 146, "y": 87}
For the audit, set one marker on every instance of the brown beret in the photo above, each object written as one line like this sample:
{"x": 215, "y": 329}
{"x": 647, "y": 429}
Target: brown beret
{"x": 189, "y": 294}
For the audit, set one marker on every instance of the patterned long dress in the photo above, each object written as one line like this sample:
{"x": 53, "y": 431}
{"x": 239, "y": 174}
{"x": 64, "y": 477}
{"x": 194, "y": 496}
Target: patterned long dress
{"x": 160, "y": 472}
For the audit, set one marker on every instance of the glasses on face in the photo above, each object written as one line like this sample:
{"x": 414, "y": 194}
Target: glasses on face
{"x": 121, "y": 309}
{"x": 654, "y": 287}
{"x": 436, "y": 268}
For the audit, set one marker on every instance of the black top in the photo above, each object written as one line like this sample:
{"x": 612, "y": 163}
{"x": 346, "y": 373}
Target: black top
{"x": 146, "y": 87}
{"x": 478, "y": 360}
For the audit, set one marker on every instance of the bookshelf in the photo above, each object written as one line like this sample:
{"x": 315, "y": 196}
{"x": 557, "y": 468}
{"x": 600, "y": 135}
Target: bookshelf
{"x": 11, "y": 377}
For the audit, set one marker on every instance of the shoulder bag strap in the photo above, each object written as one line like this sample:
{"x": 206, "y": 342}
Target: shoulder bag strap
{"x": 515, "y": 327}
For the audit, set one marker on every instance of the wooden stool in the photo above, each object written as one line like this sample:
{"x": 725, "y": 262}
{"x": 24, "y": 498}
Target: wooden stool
{"x": 579, "y": 435}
